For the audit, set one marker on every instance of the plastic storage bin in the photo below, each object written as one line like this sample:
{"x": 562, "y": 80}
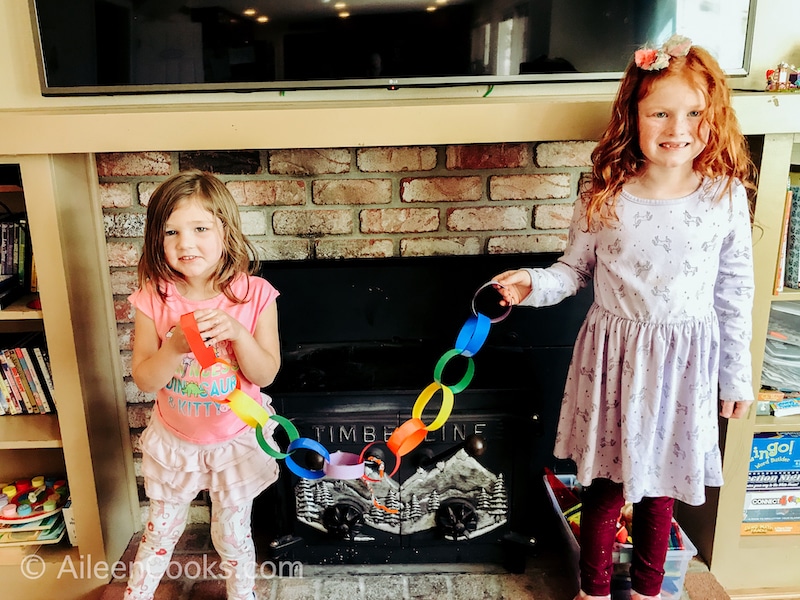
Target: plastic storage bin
{"x": 675, "y": 566}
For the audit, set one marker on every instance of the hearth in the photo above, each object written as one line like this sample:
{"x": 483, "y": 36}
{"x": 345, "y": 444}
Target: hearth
{"x": 360, "y": 341}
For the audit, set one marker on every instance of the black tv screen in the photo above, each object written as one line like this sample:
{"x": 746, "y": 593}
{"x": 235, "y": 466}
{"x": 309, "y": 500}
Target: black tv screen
{"x": 153, "y": 46}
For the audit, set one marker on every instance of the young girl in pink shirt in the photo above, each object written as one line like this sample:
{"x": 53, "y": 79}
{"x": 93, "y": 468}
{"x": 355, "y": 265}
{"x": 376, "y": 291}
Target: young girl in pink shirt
{"x": 196, "y": 260}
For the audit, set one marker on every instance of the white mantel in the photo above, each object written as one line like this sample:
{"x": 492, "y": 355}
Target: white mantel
{"x": 353, "y": 124}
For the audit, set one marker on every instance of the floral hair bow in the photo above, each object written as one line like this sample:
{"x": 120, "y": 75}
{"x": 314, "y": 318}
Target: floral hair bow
{"x": 651, "y": 59}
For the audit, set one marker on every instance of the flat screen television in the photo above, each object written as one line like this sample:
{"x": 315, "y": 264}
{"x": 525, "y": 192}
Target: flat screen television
{"x": 93, "y": 47}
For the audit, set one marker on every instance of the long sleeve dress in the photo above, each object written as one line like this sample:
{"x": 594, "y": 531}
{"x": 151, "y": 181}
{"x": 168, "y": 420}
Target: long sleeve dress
{"x": 667, "y": 336}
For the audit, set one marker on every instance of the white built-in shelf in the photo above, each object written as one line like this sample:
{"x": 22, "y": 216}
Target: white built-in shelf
{"x": 786, "y": 294}
{"x": 29, "y": 431}
{"x": 768, "y": 423}
{"x": 19, "y": 310}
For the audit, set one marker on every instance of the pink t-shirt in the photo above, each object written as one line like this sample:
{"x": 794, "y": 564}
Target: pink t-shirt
{"x": 185, "y": 406}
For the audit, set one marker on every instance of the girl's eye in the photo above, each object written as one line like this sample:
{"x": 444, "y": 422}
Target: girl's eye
{"x": 170, "y": 232}
{"x": 201, "y": 229}
{"x": 661, "y": 115}
{"x": 695, "y": 113}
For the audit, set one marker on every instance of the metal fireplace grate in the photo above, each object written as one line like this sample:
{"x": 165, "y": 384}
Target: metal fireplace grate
{"x": 360, "y": 340}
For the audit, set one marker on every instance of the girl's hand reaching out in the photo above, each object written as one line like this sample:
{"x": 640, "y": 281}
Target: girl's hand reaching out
{"x": 516, "y": 285}
{"x": 731, "y": 409}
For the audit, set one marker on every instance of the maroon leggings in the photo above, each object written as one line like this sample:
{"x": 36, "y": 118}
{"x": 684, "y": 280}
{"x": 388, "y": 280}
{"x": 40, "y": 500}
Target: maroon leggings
{"x": 652, "y": 518}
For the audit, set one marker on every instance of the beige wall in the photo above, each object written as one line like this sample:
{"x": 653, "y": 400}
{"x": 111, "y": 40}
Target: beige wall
{"x": 776, "y": 39}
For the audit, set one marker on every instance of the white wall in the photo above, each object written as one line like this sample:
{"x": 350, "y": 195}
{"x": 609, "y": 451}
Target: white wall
{"x": 776, "y": 40}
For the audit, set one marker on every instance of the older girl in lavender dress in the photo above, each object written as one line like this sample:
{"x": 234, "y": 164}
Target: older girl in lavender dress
{"x": 663, "y": 230}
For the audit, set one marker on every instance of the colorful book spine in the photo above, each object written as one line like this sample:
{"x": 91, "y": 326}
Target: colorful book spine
{"x": 792, "y": 278}
{"x": 780, "y": 271}
{"x": 773, "y": 480}
{"x": 37, "y": 379}
{"x": 19, "y": 403}
{"x": 22, "y": 382}
{"x": 4, "y": 247}
{"x": 15, "y": 256}
{"x": 34, "y": 276}
{"x": 30, "y": 379}
{"x": 43, "y": 366}
{"x": 785, "y": 408}
{"x": 11, "y": 408}
{"x": 22, "y": 249}
{"x": 771, "y": 528}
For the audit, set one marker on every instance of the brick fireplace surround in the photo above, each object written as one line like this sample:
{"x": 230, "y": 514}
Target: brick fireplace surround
{"x": 307, "y": 204}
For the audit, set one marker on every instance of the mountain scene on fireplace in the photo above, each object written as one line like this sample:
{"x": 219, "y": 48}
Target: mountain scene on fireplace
{"x": 459, "y": 490}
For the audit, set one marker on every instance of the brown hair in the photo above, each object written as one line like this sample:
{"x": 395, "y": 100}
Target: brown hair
{"x": 618, "y": 157}
{"x": 238, "y": 254}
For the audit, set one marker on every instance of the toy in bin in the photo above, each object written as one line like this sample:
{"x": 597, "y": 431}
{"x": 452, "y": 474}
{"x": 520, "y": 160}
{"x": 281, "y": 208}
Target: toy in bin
{"x": 25, "y": 500}
{"x": 564, "y": 492}
{"x": 567, "y": 500}
{"x": 570, "y": 505}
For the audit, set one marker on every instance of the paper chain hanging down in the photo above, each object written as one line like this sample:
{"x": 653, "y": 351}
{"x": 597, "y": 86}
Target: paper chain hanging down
{"x": 346, "y": 465}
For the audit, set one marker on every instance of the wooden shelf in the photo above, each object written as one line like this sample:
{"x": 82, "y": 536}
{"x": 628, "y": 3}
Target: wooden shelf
{"x": 766, "y": 424}
{"x": 19, "y": 310}
{"x": 29, "y": 431}
{"x": 786, "y": 294}
{"x": 52, "y": 554}
{"x": 60, "y": 573}
{"x": 770, "y": 543}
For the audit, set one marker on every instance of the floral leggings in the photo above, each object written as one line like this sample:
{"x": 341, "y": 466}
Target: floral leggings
{"x": 230, "y": 533}
{"x": 652, "y": 522}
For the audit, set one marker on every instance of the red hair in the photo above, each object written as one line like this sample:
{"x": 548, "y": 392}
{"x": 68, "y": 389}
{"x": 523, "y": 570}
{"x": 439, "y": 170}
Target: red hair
{"x": 618, "y": 157}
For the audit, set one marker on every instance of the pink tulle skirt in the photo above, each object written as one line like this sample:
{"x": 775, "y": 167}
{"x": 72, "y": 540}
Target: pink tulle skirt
{"x": 234, "y": 471}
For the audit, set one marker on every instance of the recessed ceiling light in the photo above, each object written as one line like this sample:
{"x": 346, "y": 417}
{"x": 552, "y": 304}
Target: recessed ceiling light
{"x": 431, "y": 9}
{"x": 262, "y": 19}
{"x": 249, "y": 12}
{"x": 339, "y": 5}
{"x": 344, "y": 14}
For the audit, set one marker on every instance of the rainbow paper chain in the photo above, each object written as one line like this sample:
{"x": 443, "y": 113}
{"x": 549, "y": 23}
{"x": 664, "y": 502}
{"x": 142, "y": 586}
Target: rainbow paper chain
{"x": 406, "y": 437}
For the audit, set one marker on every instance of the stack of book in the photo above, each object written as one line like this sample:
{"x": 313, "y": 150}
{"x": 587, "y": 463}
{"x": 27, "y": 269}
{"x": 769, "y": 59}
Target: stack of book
{"x": 787, "y": 273}
{"x": 26, "y": 384}
{"x": 781, "y": 368}
{"x": 16, "y": 259}
{"x": 778, "y": 403}
{"x": 772, "y": 497}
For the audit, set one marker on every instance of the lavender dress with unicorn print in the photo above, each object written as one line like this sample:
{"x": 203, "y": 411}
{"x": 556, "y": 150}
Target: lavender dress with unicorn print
{"x": 667, "y": 336}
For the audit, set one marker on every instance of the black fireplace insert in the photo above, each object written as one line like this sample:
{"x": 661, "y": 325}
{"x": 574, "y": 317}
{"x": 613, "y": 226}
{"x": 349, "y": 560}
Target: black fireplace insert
{"x": 360, "y": 340}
